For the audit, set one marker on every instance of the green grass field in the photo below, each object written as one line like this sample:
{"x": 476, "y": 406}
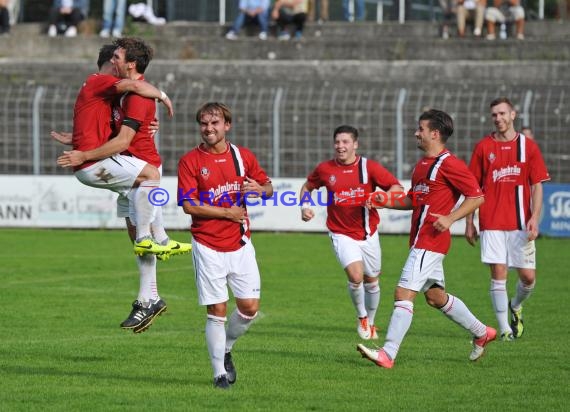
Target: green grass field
{"x": 64, "y": 294}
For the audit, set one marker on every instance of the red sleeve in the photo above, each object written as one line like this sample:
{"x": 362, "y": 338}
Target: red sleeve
{"x": 538, "y": 171}
{"x": 187, "y": 182}
{"x": 104, "y": 85}
{"x": 461, "y": 178}
{"x": 381, "y": 177}
{"x": 253, "y": 168}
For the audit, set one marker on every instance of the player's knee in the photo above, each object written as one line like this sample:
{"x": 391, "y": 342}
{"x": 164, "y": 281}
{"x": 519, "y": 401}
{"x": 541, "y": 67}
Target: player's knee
{"x": 436, "y": 297}
{"x": 149, "y": 172}
{"x": 248, "y": 308}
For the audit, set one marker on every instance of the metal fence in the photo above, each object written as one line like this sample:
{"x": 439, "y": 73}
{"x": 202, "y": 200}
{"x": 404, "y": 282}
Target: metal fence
{"x": 290, "y": 128}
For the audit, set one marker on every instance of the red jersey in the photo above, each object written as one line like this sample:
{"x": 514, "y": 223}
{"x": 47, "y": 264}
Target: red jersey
{"x": 506, "y": 171}
{"x": 216, "y": 179}
{"x": 92, "y": 113}
{"x": 348, "y": 186}
{"x": 437, "y": 183}
{"x": 138, "y": 113}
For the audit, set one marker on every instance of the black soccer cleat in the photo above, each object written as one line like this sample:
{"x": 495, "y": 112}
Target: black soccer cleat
{"x": 230, "y": 368}
{"x": 157, "y": 308}
{"x": 221, "y": 382}
{"x": 138, "y": 315}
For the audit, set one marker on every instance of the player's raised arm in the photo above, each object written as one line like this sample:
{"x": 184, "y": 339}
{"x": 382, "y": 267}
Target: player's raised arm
{"x": 145, "y": 89}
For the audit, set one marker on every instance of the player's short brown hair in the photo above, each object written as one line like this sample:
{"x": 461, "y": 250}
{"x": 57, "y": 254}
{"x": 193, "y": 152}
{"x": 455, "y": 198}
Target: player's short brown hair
{"x": 214, "y": 108}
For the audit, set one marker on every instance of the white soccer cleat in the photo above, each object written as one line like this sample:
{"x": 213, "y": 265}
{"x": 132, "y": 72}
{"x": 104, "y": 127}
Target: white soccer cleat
{"x": 480, "y": 343}
{"x": 378, "y": 356}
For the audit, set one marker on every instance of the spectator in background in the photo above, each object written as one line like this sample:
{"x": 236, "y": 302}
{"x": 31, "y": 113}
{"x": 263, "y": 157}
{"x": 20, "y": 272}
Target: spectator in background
{"x": 65, "y": 16}
{"x": 474, "y": 9}
{"x": 116, "y": 9}
{"x": 359, "y": 10}
{"x": 251, "y": 11}
{"x": 286, "y": 12}
{"x": 448, "y": 8}
{"x": 505, "y": 11}
{"x": 323, "y": 10}
{"x": 527, "y": 131}
{"x": 4, "y": 17}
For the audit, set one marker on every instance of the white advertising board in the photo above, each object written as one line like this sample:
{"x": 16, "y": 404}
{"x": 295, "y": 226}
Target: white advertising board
{"x": 63, "y": 202}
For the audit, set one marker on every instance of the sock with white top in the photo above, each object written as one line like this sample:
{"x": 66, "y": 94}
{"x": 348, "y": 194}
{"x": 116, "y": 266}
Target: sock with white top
{"x": 500, "y": 301}
{"x": 216, "y": 342}
{"x": 356, "y": 292}
{"x": 238, "y": 324}
{"x": 147, "y": 278}
{"x": 400, "y": 322}
{"x": 523, "y": 293}
{"x": 144, "y": 209}
{"x": 458, "y": 312}
{"x": 371, "y": 299}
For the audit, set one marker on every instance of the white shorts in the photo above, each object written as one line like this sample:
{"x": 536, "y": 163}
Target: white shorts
{"x": 510, "y": 247}
{"x": 348, "y": 250}
{"x": 125, "y": 208}
{"x": 422, "y": 270}
{"x": 495, "y": 15}
{"x": 116, "y": 173}
{"x": 216, "y": 270}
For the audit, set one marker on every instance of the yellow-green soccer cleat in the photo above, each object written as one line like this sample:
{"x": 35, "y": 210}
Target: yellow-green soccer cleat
{"x": 516, "y": 321}
{"x": 148, "y": 246}
{"x": 178, "y": 248}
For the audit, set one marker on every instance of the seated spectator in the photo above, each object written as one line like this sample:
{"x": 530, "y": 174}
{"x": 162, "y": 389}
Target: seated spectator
{"x": 251, "y": 11}
{"x": 323, "y": 10}
{"x": 359, "y": 12}
{"x": 113, "y": 18}
{"x": 286, "y": 12}
{"x": 474, "y": 9}
{"x": 4, "y": 17}
{"x": 449, "y": 9}
{"x": 505, "y": 11}
{"x": 65, "y": 16}
{"x": 144, "y": 12}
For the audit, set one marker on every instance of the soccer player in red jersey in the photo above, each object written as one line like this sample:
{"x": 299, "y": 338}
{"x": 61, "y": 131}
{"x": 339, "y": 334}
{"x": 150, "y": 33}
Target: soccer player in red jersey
{"x": 510, "y": 169}
{"x": 213, "y": 179}
{"x": 353, "y": 227}
{"x": 135, "y": 143}
{"x": 438, "y": 180}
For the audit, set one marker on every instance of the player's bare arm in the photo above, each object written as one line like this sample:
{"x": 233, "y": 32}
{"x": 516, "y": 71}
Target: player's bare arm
{"x": 306, "y": 212}
{"x": 471, "y": 234}
{"x": 116, "y": 145}
{"x": 468, "y": 206}
{"x": 67, "y": 137}
{"x": 199, "y": 209}
{"x": 536, "y": 194}
{"x": 145, "y": 89}
{"x": 394, "y": 195}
